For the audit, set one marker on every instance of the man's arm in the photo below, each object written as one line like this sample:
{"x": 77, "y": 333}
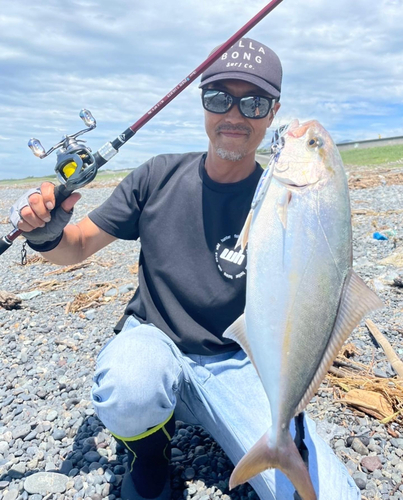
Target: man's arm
{"x": 79, "y": 242}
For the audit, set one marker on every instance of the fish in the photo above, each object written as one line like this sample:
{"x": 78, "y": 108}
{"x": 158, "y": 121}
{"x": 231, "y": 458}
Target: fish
{"x": 303, "y": 298}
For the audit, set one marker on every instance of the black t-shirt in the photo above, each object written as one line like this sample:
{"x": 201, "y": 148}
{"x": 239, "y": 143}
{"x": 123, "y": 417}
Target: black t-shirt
{"x": 191, "y": 281}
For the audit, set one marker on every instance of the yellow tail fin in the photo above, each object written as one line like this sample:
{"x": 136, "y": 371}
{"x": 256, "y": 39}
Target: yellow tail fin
{"x": 285, "y": 457}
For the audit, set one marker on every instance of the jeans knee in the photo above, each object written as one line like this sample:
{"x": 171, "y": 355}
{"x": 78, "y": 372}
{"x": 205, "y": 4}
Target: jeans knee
{"x": 135, "y": 382}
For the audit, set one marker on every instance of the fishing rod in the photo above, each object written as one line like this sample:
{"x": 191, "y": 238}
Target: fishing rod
{"x": 77, "y": 166}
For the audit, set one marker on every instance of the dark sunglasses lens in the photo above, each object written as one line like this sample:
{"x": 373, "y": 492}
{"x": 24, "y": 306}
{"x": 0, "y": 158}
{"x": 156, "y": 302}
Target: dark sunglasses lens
{"x": 255, "y": 106}
{"x": 216, "y": 101}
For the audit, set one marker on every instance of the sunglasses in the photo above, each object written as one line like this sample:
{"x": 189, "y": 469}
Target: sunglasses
{"x": 254, "y": 106}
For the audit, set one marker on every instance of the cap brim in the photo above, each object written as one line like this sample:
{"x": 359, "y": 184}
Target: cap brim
{"x": 238, "y": 75}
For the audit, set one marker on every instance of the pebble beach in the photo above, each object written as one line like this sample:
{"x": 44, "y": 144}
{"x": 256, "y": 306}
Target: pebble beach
{"x": 52, "y": 445}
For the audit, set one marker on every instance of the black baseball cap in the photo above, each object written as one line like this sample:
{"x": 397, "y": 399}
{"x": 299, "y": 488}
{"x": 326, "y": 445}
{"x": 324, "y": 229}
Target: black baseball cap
{"x": 250, "y": 61}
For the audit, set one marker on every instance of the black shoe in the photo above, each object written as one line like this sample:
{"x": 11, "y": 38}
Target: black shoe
{"x": 129, "y": 492}
{"x": 148, "y": 476}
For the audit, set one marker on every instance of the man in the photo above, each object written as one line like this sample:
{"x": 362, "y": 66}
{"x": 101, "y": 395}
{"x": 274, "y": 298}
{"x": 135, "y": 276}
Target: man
{"x": 170, "y": 355}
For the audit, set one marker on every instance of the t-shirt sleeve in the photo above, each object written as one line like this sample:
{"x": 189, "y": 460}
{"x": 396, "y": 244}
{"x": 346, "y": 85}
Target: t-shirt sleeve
{"x": 119, "y": 214}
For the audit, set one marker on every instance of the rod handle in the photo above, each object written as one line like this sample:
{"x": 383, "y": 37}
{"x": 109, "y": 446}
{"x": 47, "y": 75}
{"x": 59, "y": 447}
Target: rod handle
{"x": 61, "y": 194}
{"x": 5, "y": 244}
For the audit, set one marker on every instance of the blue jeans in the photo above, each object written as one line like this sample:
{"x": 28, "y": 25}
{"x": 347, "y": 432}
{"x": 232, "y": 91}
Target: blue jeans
{"x": 141, "y": 377}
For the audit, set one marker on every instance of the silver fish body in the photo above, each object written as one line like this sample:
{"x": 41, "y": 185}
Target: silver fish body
{"x": 301, "y": 291}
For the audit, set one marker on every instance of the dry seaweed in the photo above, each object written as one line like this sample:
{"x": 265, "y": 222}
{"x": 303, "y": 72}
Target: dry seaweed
{"x": 93, "y": 298}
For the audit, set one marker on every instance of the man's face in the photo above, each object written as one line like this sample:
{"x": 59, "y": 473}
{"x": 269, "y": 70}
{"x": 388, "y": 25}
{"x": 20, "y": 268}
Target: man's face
{"x": 233, "y": 136}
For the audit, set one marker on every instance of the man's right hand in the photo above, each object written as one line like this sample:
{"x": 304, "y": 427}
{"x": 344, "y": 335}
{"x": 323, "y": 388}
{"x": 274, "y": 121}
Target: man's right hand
{"x": 32, "y": 214}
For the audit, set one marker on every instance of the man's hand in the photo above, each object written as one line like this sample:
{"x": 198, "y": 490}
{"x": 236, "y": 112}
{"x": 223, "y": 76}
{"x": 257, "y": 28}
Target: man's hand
{"x": 32, "y": 214}
{"x": 34, "y": 207}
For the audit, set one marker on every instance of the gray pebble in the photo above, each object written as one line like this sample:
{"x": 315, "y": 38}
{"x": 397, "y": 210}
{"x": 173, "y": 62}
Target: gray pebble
{"x": 11, "y": 495}
{"x": 359, "y": 447}
{"x": 189, "y": 473}
{"x": 200, "y": 460}
{"x": 360, "y": 479}
{"x": 45, "y": 483}
{"x": 21, "y": 431}
{"x": 109, "y": 476}
{"x": 52, "y": 415}
{"x": 92, "y": 456}
{"x": 59, "y": 434}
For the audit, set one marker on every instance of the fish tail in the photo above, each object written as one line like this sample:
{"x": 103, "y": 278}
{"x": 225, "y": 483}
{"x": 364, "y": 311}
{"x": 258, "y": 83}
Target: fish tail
{"x": 284, "y": 457}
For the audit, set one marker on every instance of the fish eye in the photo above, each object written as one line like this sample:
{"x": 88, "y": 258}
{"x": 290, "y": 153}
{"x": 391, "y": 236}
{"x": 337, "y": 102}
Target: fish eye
{"x": 315, "y": 142}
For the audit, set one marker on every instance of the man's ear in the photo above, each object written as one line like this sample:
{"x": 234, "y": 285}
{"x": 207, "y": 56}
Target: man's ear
{"x": 273, "y": 113}
{"x": 276, "y": 107}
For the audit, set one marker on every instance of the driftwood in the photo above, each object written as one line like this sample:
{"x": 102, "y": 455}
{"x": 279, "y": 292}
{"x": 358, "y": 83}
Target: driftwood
{"x": 370, "y": 402}
{"x": 396, "y": 363}
{"x": 9, "y": 300}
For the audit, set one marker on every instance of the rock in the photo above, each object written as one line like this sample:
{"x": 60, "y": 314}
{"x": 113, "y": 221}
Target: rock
{"x": 17, "y": 471}
{"x": 59, "y": 434}
{"x": 351, "y": 467}
{"x": 90, "y": 314}
{"x": 66, "y": 467}
{"x": 11, "y": 495}
{"x": 359, "y": 447}
{"x": 126, "y": 288}
{"x": 364, "y": 440}
{"x": 200, "y": 460}
{"x": 189, "y": 473}
{"x": 52, "y": 415}
{"x": 92, "y": 456}
{"x": 360, "y": 480}
{"x": 4, "y": 446}
{"x": 21, "y": 431}
{"x": 397, "y": 442}
{"x": 110, "y": 476}
{"x": 176, "y": 453}
{"x": 45, "y": 483}
{"x": 371, "y": 463}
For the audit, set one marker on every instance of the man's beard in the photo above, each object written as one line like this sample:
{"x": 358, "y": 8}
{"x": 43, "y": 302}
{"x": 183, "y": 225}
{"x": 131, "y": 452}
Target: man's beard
{"x": 226, "y": 154}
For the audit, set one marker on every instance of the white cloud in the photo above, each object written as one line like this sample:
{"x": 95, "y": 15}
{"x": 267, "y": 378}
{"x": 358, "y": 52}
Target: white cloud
{"x": 342, "y": 64}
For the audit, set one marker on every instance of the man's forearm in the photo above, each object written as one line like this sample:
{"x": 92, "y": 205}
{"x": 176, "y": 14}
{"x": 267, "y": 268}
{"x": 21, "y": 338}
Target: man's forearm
{"x": 70, "y": 249}
{"x": 78, "y": 243}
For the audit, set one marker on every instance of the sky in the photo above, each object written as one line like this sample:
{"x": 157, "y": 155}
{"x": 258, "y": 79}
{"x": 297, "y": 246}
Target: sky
{"x": 342, "y": 63}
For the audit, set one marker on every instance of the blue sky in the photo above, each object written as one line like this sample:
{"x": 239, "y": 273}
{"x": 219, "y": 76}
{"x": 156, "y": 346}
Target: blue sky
{"x": 342, "y": 61}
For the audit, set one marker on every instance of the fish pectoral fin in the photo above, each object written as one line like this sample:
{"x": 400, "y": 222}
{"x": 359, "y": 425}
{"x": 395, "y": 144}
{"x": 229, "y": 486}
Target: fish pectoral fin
{"x": 282, "y": 207}
{"x": 286, "y": 457}
{"x": 237, "y": 332}
{"x": 356, "y": 301}
{"x": 244, "y": 236}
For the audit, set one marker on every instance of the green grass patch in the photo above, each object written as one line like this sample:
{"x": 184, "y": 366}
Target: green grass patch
{"x": 27, "y": 181}
{"x": 103, "y": 175}
{"x": 373, "y": 156}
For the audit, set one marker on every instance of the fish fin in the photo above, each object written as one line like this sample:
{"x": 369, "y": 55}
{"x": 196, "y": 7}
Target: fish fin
{"x": 243, "y": 237}
{"x": 285, "y": 457}
{"x": 282, "y": 207}
{"x": 237, "y": 332}
{"x": 356, "y": 301}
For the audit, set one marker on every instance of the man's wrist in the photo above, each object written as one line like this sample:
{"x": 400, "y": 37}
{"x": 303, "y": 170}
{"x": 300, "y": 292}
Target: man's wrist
{"x": 47, "y": 246}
